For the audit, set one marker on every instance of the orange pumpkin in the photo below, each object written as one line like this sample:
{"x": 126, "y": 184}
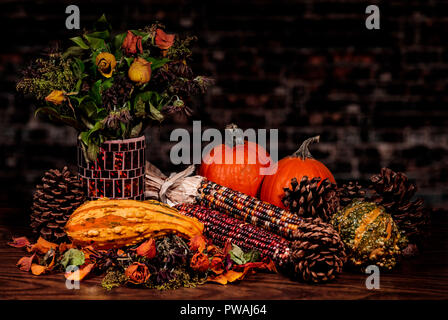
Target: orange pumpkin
{"x": 242, "y": 172}
{"x": 299, "y": 164}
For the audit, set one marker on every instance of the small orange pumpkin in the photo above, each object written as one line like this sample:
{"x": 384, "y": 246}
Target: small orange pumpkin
{"x": 240, "y": 174}
{"x": 299, "y": 164}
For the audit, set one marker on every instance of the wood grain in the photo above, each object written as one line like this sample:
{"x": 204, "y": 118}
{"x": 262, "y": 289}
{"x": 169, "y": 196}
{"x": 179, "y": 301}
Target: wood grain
{"x": 424, "y": 277}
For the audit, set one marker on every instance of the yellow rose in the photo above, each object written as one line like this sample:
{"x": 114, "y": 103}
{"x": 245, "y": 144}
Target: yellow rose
{"x": 140, "y": 71}
{"x": 106, "y": 63}
{"x": 56, "y": 97}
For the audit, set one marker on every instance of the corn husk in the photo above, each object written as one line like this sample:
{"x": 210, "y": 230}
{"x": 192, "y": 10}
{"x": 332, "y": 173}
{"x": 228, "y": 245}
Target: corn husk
{"x": 177, "y": 188}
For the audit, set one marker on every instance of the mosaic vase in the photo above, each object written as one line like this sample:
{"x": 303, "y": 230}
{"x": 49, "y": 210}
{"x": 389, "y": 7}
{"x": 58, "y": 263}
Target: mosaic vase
{"x": 117, "y": 173}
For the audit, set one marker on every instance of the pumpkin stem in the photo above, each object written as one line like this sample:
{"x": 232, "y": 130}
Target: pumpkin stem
{"x": 236, "y": 133}
{"x": 303, "y": 152}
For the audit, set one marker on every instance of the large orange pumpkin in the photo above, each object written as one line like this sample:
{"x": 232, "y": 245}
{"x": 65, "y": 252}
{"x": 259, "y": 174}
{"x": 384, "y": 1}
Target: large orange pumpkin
{"x": 242, "y": 173}
{"x": 299, "y": 164}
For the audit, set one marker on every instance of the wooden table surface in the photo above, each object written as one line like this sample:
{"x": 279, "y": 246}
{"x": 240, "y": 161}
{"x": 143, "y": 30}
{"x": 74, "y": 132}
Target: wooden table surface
{"x": 424, "y": 277}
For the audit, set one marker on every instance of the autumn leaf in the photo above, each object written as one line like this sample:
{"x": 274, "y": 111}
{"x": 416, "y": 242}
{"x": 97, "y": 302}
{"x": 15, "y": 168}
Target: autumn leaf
{"x": 65, "y": 246}
{"x": 37, "y": 269}
{"x": 228, "y": 277}
{"x": 42, "y": 246}
{"x": 24, "y": 263}
{"x": 19, "y": 242}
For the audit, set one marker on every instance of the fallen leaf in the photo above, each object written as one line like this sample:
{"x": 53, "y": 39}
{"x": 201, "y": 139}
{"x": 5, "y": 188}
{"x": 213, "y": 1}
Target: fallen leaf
{"x": 79, "y": 274}
{"x": 42, "y": 246}
{"x": 229, "y": 276}
{"x": 24, "y": 263}
{"x": 19, "y": 242}
{"x": 37, "y": 269}
{"x": 73, "y": 257}
{"x": 216, "y": 265}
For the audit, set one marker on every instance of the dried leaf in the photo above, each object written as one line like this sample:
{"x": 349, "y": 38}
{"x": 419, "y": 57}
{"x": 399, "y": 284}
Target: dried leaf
{"x": 217, "y": 265}
{"x": 65, "y": 246}
{"x": 229, "y": 276}
{"x": 24, "y": 263}
{"x": 37, "y": 269}
{"x": 73, "y": 257}
{"x": 19, "y": 242}
{"x": 42, "y": 246}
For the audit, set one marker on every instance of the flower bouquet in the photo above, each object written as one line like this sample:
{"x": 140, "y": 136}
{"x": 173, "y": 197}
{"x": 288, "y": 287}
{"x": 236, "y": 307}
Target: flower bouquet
{"x": 110, "y": 88}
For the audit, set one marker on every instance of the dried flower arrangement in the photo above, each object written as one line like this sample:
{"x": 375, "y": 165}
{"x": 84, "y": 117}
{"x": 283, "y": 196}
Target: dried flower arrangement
{"x": 114, "y": 86}
{"x": 167, "y": 262}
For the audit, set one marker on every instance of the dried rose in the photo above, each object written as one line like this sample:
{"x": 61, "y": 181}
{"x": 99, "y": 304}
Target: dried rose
{"x": 197, "y": 243}
{"x": 216, "y": 265}
{"x": 199, "y": 262}
{"x": 147, "y": 249}
{"x": 56, "y": 97}
{"x": 106, "y": 63}
{"x": 132, "y": 44}
{"x": 164, "y": 40}
{"x": 140, "y": 71}
{"x": 137, "y": 273}
{"x": 19, "y": 242}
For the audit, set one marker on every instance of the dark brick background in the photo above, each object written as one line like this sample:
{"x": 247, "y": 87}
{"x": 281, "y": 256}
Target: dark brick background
{"x": 377, "y": 98}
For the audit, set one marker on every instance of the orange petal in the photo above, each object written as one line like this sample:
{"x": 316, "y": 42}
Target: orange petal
{"x": 147, "y": 249}
{"x": 80, "y": 274}
{"x": 229, "y": 276}
{"x": 37, "y": 269}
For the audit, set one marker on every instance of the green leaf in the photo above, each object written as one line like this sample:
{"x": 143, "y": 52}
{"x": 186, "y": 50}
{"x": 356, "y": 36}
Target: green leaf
{"x": 84, "y": 137}
{"x": 95, "y": 43}
{"x": 92, "y": 150}
{"x": 140, "y": 108}
{"x": 118, "y": 40}
{"x": 135, "y": 131}
{"x": 73, "y": 257}
{"x": 157, "y": 63}
{"x": 123, "y": 129}
{"x": 129, "y": 60}
{"x": 144, "y": 35}
{"x": 237, "y": 255}
{"x": 100, "y": 34}
{"x": 89, "y": 108}
{"x": 98, "y": 126}
{"x": 252, "y": 256}
{"x": 95, "y": 93}
{"x": 107, "y": 84}
{"x": 74, "y": 51}
{"x": 80, "y": 42}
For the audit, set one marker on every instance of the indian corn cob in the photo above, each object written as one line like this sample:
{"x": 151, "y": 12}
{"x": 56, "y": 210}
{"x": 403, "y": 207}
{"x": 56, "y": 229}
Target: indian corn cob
{"x": 249, "y": 209}
{"x": 316, "y": 256}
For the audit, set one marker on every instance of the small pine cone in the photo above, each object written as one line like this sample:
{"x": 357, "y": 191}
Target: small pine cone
{"x": 53, "y": 202}
{"x": 350, "y": 192}
{"x": 395, "y": 192}
{"x": 312, "y": 198}
{"x": 317, "y": 246}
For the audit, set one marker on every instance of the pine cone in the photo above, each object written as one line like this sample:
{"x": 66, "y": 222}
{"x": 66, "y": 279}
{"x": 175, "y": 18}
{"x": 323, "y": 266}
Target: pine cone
{"x": 349, "y": 192}
{"x": 317, "y": 243}
{"x": 311, "y": 199}
{"x": 53, "y": 202}
{"x": 395, "y": 192}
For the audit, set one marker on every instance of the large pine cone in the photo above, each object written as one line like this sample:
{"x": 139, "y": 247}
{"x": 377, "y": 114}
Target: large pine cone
{"x": 395, "y": 192}
{"x": 312, "y": 198}
{"x": 53, "y": 202}
{"x": 317, "y": 246}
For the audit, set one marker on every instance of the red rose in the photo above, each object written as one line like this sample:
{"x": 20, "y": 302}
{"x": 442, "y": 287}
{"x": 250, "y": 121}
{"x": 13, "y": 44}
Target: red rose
{"x": 199, "y": 262}
{"x": 164, "y": 40}
{"x": 132, "y": 44}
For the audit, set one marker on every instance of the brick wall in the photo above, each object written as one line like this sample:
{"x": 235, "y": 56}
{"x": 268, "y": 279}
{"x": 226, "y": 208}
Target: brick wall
{"x": 305, "y": 67}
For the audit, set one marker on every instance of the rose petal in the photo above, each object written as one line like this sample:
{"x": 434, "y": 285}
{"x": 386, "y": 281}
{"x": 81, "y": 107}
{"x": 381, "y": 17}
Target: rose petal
{"x": 24, "y": 263}
{"x": 147, "y": 249}
{"x": 19, "y": 242}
